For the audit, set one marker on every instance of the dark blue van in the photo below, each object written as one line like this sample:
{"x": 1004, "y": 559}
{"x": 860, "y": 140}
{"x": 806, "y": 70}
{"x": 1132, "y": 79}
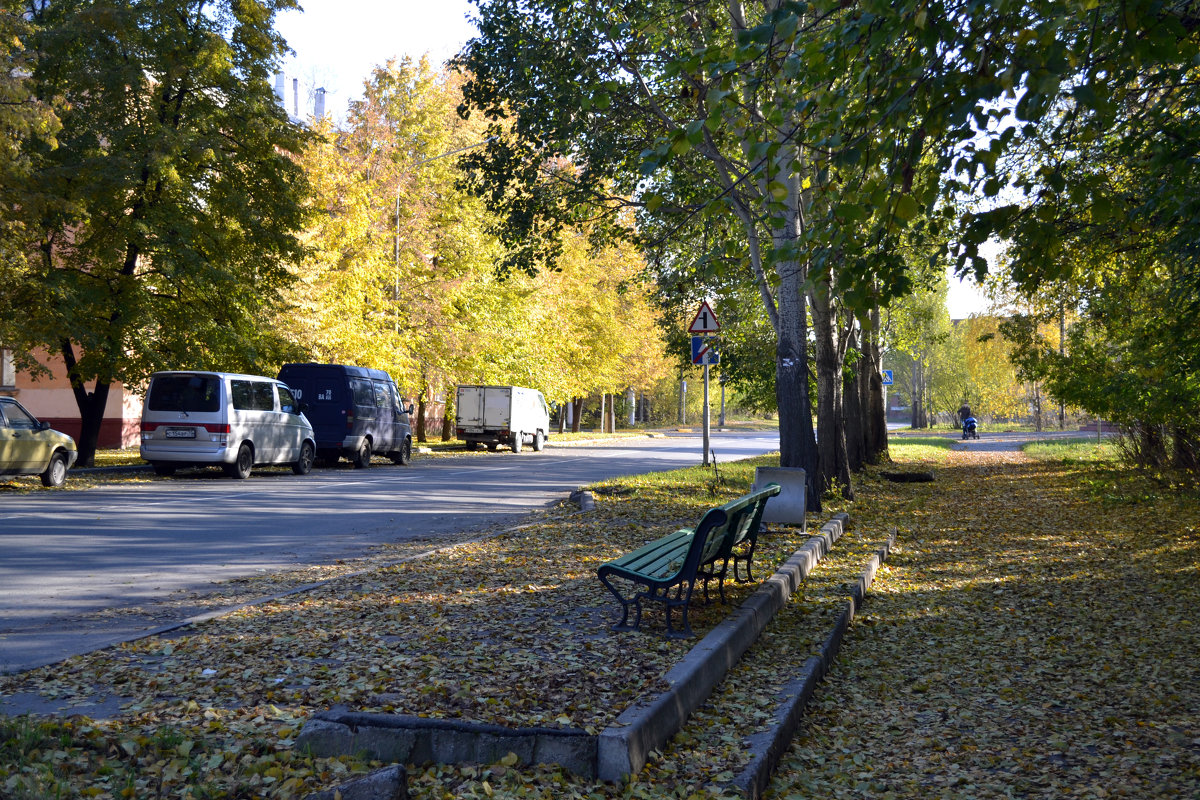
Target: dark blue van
{"x": 355, "y": 412}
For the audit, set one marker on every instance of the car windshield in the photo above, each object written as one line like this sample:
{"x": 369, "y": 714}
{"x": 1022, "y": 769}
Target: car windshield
{"x": 18, "y": 419}
{"x": 190, "y": 393}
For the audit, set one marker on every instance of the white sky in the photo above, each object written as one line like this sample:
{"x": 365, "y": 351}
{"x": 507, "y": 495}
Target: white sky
{"x": 337, "y": 44}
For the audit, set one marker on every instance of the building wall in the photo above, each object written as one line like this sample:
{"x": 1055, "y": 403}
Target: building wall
{"x": 51, "y": 400}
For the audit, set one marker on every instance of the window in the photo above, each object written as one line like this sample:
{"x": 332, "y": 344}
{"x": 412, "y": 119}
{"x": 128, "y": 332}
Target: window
{"x": 264, "y": 396}
{"x": 364, "y": 399}
{"x": 381, "y": 395}
{"x": 18, "y": 420}
{"x": 287, "y": 403}
{"x": 243, "y": 395}
{"x": 187, "y": 393}
{"x": 8, "y": 372}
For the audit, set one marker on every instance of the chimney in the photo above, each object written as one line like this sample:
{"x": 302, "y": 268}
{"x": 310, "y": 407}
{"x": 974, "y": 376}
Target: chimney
{"x": 319, "y": 105}
{"x": 295, "y": 97}
{"x": 279, "y": 89}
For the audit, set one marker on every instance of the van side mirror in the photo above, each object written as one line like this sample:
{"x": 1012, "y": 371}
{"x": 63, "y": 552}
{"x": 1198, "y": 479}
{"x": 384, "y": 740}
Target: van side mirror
{"x": 409, "y": 410}
{"x": 301, "y": 407}
{"x": 43, "y": 426}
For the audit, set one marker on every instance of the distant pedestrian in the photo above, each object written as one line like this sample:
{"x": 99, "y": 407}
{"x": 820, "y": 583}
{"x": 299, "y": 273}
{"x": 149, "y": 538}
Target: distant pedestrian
{"x": 964, "y": 413}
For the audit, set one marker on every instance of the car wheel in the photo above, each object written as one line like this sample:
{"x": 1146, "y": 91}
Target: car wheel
{"x": 56, "y": 470}
{"x": 493, "y": 446}
{"x": 362, "y": 459}
{"x": 308, "y": 454}
{"x": 472, "y": 445}
{"x": 518, "y": 439}
{"x": 404, "y": 454}
{"x": 165, "y": 470}
{"x": 242, "y": 467}
{"x": 539, "y": 442}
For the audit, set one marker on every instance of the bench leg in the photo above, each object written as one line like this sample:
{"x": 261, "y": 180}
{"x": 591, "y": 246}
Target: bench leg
{"x": 683, "y": 597}
{"x": 624, "y": 625}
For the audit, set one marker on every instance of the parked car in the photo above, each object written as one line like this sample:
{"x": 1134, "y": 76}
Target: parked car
{"x": 355, "y": 412}
{"x": 496, "y": 415}
{"x": 219, "y": 418}
{"x": 30, "y": 447}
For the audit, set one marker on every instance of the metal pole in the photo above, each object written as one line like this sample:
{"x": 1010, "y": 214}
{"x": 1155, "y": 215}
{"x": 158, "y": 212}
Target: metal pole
{"x": 706, "y": 414}
{"x": 721, "y": 420}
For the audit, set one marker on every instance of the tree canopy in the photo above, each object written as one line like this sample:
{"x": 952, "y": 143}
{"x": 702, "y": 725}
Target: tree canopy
{"x": 165, "y": 214}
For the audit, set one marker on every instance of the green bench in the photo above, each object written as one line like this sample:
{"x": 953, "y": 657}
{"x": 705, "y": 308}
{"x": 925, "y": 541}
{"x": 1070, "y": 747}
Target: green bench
{"x": 666, "y": 570}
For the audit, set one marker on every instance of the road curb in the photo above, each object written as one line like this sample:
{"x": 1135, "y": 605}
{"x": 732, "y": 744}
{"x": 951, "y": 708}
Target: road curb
{"x": 769, "y": 746}
{"x": 625, "y": 746}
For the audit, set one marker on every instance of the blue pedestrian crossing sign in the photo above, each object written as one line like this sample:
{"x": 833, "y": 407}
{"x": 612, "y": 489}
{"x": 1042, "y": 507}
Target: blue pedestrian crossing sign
{"x": 704, "y": 351}
{"x": 887, "y": 377}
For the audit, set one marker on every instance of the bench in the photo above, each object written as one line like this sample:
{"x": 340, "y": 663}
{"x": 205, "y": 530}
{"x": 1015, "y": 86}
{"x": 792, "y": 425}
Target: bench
{"x": 668, "y": 567}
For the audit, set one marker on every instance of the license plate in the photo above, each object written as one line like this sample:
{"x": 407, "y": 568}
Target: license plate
{"x": 181, "y": 433}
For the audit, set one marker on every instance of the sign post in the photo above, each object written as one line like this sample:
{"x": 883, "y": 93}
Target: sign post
{"x": 704, "y": 325}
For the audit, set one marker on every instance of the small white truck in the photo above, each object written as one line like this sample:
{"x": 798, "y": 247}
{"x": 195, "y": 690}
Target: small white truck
{"x": 496, "y": 415}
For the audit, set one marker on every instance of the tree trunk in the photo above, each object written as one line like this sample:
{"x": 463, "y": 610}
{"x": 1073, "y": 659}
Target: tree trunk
{"x": 577, "y": 409}
{"x": 831, "y": 434}
{"x": 91, "y": 407}
{"x": 918, "y": 394}
{"x": 423, "y": 397}
{"x": 853, "y": 407}
{"x": 874, "y": 406}
{"x": 797, "y": 441}
{"x": 1062, "y": 351}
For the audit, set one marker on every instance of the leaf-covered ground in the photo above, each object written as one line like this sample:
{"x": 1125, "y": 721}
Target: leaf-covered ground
{"x": 1033, "y": 634}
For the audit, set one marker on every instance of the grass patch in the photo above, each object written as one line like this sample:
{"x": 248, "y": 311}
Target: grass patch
{"x": 920, "y": 449}
{"x": 1084, "y": 450}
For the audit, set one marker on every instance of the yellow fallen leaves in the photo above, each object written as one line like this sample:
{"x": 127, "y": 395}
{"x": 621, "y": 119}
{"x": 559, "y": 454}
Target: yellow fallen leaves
{"x": 1026, "y": 638}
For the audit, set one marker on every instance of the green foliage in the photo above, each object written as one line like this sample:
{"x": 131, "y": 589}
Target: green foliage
{"x": 163, "y": 217}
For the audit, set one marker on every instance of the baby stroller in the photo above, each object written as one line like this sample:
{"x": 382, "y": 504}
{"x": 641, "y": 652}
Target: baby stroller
{"x": 970, "y": 428}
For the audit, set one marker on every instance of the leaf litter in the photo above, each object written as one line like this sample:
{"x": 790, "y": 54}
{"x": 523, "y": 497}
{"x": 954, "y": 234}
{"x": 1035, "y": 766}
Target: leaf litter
{"x": 1020, "y": 641}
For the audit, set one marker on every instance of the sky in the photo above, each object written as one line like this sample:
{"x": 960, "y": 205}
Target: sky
{"x": 338, "y": 42}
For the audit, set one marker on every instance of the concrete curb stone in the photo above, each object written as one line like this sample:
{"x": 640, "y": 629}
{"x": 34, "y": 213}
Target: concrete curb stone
{"x": 620, "y": 750}
{"x": 625, "y": 746}
{"x": 770, "y": 745}
{"x": 389, "y": 783}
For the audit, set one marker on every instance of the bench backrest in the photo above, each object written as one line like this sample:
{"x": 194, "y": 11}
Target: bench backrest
{"x": 745, "y": 512}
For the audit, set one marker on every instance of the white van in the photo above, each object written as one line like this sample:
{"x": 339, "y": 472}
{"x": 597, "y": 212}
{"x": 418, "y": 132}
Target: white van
{"x": 496, "y": 415}
{"x": 236, "y": 421}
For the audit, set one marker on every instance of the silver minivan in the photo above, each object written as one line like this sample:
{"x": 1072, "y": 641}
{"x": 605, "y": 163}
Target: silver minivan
{"x": 220, "y": 418}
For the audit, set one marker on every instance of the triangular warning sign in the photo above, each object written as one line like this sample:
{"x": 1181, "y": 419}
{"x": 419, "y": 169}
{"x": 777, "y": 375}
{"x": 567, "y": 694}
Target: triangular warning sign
{"x": 705, "y": 320}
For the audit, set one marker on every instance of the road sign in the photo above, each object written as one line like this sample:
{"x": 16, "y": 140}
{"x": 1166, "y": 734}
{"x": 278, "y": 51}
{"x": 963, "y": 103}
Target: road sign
{"x": 705, "y": 320}
{"x": 704, "y": 351}
{"x": 887, "y": 377}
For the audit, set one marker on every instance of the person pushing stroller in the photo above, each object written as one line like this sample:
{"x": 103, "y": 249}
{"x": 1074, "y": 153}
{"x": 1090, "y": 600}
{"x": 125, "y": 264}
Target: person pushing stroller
{"x": 970, "y": 426}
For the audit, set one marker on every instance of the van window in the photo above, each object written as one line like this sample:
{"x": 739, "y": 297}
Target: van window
{"x": 264, "y": 396}
{"x": 188, "y": 393}
{"x": 287, "y": 403}
{"x": 364, "y": 393}
{"x": 381, "y": 395}
{"x": 252, "y": 395}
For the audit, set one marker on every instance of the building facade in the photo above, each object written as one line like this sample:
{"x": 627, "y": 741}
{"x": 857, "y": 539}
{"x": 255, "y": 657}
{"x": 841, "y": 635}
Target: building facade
{"x": 51, "y": 400}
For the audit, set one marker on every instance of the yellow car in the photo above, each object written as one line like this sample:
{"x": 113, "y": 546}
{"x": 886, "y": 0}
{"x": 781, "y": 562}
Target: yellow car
{"x": 29, "y": 447}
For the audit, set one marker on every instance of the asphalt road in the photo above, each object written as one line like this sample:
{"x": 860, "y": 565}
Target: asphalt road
{"x": 71, "y": 562}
